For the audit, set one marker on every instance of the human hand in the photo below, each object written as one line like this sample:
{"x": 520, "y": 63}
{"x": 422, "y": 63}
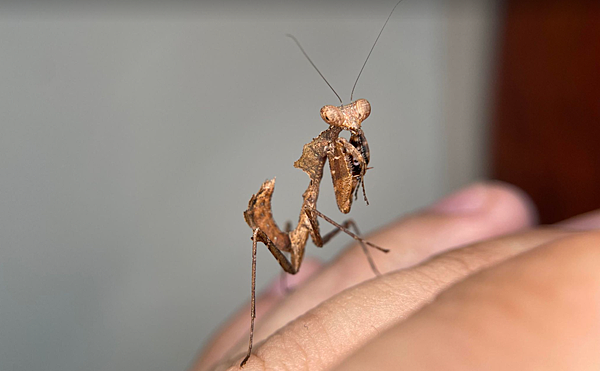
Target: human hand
{"x": 471, "y": 283}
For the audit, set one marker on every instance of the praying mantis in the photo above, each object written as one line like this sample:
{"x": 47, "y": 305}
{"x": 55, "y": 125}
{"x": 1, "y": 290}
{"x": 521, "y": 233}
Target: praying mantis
{"x": 348, "y": 162}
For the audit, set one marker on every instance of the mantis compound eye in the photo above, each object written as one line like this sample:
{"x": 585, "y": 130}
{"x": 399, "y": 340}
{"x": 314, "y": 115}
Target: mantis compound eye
{"x": 363, "y": 108}
{"x": 332, "y": 115}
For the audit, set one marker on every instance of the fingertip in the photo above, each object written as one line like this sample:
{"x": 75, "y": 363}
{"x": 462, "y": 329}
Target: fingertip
{"x": 468, "y": 200}
{"x": 496, "y": 198}
{"x": 511, "y": 203}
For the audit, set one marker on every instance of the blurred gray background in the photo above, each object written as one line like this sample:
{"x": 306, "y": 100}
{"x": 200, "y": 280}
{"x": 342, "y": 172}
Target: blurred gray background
{"x": 133, "y": 134}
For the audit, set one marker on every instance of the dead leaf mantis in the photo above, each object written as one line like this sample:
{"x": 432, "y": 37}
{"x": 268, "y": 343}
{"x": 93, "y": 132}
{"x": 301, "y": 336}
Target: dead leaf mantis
{"x": 348, "y": 160}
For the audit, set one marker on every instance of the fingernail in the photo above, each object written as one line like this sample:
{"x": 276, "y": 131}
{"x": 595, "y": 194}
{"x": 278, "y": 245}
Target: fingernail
{"x": 282, "y": 285}
{"x": 466, "y": 201}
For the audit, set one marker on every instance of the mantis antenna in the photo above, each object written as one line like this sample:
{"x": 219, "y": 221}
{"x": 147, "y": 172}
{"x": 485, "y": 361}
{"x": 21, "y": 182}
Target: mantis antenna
{"x": 311, "y": 62}
{"x": 373, "y": 47}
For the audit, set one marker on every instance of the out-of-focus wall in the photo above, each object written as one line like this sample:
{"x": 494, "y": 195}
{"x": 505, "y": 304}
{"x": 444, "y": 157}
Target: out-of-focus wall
{"x": 132, "y": 136}
{"x": 470, "y": 62}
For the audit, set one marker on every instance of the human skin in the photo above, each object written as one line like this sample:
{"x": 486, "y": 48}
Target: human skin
{"x": 471, "y": 283}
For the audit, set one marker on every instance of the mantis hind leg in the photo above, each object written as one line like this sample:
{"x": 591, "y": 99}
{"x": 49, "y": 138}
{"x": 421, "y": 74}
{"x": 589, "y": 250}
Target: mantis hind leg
{"x": 344, "y": 228}
{"x": 352, "y": 224}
